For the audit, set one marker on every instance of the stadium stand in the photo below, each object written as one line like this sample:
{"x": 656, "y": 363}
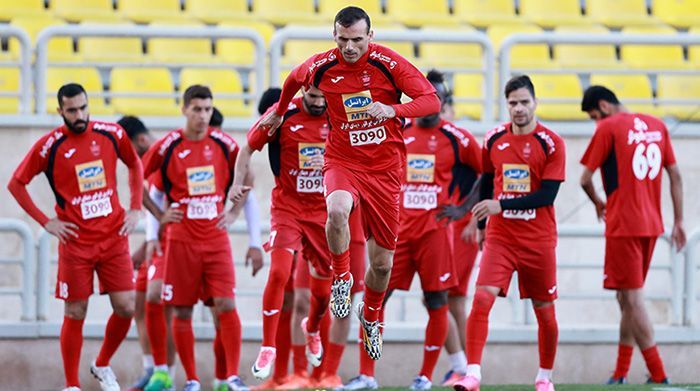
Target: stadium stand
{"x": 484, "y": 13}
{"x": 629, "y": 87}
{"x": 10, "y": 9}
{"x": 285, "y": 12}
{"x": 136, "y": 81}
{"x": 620, "y": 13}
{"x": 440, "y": 54}
{"x": 585, "y": 56}
{"x": 468, "y": 86}
{"x": 677, "y": 13}
{"x": 221, "y": 82}
{"x": 417, "y": 13}
{"x": 241, "y": 51}
{"x": 9, "y": 84}
{"x": 694, "y": 50}
{"x": 152, "y": 10}
{"x": 686, "y": 87}
{"x": 652, "y": 56}
{"x": 60, "y": 48}
{"x": 218, "y": 11}
{"x": 523, "y": 56}
{"x": 550, "y": 14}
{"x": 84, "y": 10}
{"x": 328, "y": 8}
{"x": 88, "y": 77}
{"x": 559, "y": 87}
{"x": 179, "y": 50}
{"x": 124, "y": 50}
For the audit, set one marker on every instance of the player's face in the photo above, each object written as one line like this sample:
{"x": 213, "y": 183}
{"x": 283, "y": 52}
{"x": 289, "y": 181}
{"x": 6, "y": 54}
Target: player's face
{"x": 75, "y": 113}
{"x": 603, "y": 111}
{"x": 521, "y": 107}
{"x": 198, "y": 114}
{"x": 142, "y": 143}
{"x": 314, "y": 101}
{"x": 352, "y": 41}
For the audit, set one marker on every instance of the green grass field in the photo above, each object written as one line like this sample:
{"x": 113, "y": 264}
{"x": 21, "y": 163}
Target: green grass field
{"x": 584, "y": 387}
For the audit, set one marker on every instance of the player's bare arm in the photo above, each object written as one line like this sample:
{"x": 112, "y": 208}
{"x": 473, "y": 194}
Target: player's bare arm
{"x": 678, "y": 234}
{"x": 151, "y": 206}
{"x": 271, "y": 122}
{"x": 587, "y": 185}
{"x": 238, "y": 188}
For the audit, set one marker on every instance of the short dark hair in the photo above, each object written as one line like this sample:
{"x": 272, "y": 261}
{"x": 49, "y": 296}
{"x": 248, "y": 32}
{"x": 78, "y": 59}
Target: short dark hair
{"x": 269, "y": 98}
{"x": 437, "y": 79}
{"x": 351, "y": 15}
{"x": 217, "y": 119}
{"x": 196, "y": 91}
{"x": 133, "y": 126}
{"x": 594, "y": 94}
{"x": 69, "y": 90}
{"x": 518, "y": 82}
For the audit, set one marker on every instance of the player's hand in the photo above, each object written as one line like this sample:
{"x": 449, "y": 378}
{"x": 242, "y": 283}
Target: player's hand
{"x": 131, "y": 218}
{"x": 270, "y": 123}
{"x": 237, "y": 193}
{"x": 600, "y": 210}
{"x": 153, "y": 248}
{"x": 171, "y": 215}
{"x": 225, "y": 219}
{"x": 381, "y": 111}
{"x": 678, "y": 236}
{"x": 468, "y": 234}
{"x": 452, "y": 212}
{"x": 254, "y": 257}
{"x": 486, "y": 208}
{"x": 63, "y": 230}
{"x": 480, "y": 237}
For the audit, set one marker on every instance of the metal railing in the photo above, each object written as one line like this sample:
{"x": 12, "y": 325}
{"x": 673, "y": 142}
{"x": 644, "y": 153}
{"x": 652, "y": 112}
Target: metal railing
{"x": 690, "y": 294}
{"x": 25, "y": 66}
{"x": 26, "y": 262}
{"x": 289, "y": 33}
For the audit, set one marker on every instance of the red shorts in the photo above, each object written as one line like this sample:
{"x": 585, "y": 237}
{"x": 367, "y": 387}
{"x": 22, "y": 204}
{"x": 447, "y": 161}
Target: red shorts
{"x": 464, "y": 259}
{"x": 536, "y": 267}
{"x": 430, "y": 256}
{"x": 197, "y": 270}
{"x": 627, "y": 261}
{"x": 378, "y": 195}
{"x": 155, "y": 271}
{"x": 77, "y": 263}
{"x": 141, "y": 282}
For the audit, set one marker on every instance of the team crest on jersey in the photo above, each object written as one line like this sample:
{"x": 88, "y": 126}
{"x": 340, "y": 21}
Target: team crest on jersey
{"x": 201, "y": 180}
{"x": 420, "y": 168}
{"x": 516, "y": 178}
{"x": 307, "y": 151}
{"x": 91, "y": 176}
{"x": 95, "y": 148}
{"x": 356, "y": 105}
{"x": 208, "y": 153}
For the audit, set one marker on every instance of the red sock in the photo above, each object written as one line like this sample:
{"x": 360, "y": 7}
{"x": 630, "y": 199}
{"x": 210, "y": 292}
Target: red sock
{"x": 184, "y": 343}
{"x": 284, "y": 344}
{"x": 654, "y": 364}
{"x": 231, "y": 338}
{"x": 117, "y": 328}
{"x": 547, "y": 335}
{"x": 373, "y": 304}
{"x": 478, "y": 325}
{"x": 624, "y": 359}
{"x": 435, "y": 335}
{"x": 325, "y": 327}
{"x": 71, "y": 345}
{"x": 320, "y": 297}
{"x": 273, "y": 297}
{"x": 341, "y": 265}
{"x": 366, "y": 362}
{"x": 300, "y": 362}
{"x": 219, "y": 357}
{"x": 331, "y": 360}
{"x": 157, "y": 329}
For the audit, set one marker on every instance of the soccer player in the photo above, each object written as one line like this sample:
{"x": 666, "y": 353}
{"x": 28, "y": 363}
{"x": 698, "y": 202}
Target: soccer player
{"x": 196, "y": 166}
{"x": 79, "y": 160}
{"x": 631, "y": 149}
{"x": 362, "y": 83}
{"x": 523, "y": 165}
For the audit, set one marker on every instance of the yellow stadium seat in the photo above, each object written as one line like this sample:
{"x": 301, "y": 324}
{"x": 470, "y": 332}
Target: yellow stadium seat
{"x": 217, "y": 11}
{"x": 88, "y": 77}
{"x": 469, "y": 86}
{"x": 678, "y": 13}
{"x": 125, "y": 50}
{"x": 628, "y": 87}
{"x": 417, "y": 13}
{"x": 679, "y": 87}
{"x": 694, "y": 50}
{"x": 60, "y": 48}
{"x": 553, "y": 13}
{"x": 80, "y": 10}
{"x": 10, "y": 9}
{"x": 282, "y": 12}
{"x": 146, "y": 81}
{"x": 522, "y": 55}
{"x": 560, "y": 86}
{"x": 484, "y": 13}
{"x": 241, "y": 51}
{"x": 620, "y": 13}
{"x": 585, "y": 56}
{"x": 179, "y": 50}
{"x": 148, "y": 11}
{"x": 221, "y": 82}
{"x": 652, "y": 56}
{"x": 298, "y": 51}
{"x": 329, "y": 8}
{"x": 444, "y": 54}
{"x": 9, "y": 83}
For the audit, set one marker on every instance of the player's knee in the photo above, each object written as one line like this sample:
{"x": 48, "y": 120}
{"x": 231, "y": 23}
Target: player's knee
{"x": 381, "y": 267}
{"x": 435, "y": 299}
{"x": 278, "y": 276}
{"x": 224, "y": 304}
{"x": 183, "y": 312}
{"x": 76, "y": 310}
{"x": 301, "y": 307}
{"x": 124, "y": 309}
{"x": 338, "y": 216}
{"x": 483, "y": 299}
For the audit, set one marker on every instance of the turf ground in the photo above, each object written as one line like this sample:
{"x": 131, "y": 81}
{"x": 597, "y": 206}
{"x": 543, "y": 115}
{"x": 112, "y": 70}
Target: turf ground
{"x": 584, "y": 387}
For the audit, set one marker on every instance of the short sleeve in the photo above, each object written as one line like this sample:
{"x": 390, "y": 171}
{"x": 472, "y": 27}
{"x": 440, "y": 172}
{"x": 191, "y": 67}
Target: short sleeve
{"x": 599, "y": 148}
{"x": 34, "y": 163}
{"x": 555, "y": 167}
{"x": 669, "y": 154}
{"x": 471, "y": 154}
{"x": 257, "y": 138}
{"x": 152, "y": 160}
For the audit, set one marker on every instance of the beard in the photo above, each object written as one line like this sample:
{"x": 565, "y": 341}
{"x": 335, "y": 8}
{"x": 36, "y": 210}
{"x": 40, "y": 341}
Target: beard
{"x": 78, "y": 126}
{"x": 428, "y": 121}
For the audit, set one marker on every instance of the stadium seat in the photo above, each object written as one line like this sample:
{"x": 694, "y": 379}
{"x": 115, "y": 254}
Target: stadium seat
{"x": 628, "y": 87}
{"x": 9, "y": 83}
{"x": 125, "y": 50}
{"x": 10, "y": 9}
{"x": 221, "y": 82}
{"x": 143, "y": 81}
{"x": 679, "y": 87}
{"x": 652, "y": 56}
{"x": 82, "y": 10}
{"x": 619, "y": 13}
{"x": 560, "y": 86}
{"x": 417, "y": 13}
{"x": 179, "y": 50}
{"x": 329, "y": 8}
{"x": 454, "y": 55}
{"x": 468, "y": 86}
{"x": 677, "y": 13}
{"x": 148, "y": 11}
{"x": 484, "y": 13}
{"x": 283, "y": 12}
{"x": 297, "y": 51}
{"x": 241, "y": 51}
{"x": 585, "y": 56}
{"x": 60, "y": 48}
{"x": 522, "y": 55}
{"x": 217, "y": 11}
{"x": 553, "y": 13}
{"x": 88, "y": 77}
{"x": 694, "y": 50}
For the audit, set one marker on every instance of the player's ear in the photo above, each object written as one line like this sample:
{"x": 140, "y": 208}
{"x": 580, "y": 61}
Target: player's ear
{"x": 371, "y": 34}
{"x": 183, "y": 109}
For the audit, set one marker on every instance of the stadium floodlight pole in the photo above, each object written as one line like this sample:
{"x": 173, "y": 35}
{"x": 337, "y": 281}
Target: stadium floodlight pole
{"x": 25, "y": 65}
{"x": 27, "y": 263}
{"x": 143, "y": 32}
{"x": 504, "y": 54}
{"x": 415, "y": 36}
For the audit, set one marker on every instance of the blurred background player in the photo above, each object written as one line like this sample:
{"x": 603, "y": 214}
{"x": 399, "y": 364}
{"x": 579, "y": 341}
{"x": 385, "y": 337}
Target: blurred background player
{"x": 79, "y": 160}
{"x": 630, "y": 149}
{"x": 523, "y": 165}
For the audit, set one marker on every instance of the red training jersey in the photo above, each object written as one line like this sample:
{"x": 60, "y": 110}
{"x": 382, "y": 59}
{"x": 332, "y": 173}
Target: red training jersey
{"x": 520, "y": 163}
{"x": 357, "y": 140}
{"x": 81, "y": 170}
{"x": 196, "y": 174}
{"x": 630, "y": 150}
{"x": 443, "y": 163}
{"x": 298, "y": 185}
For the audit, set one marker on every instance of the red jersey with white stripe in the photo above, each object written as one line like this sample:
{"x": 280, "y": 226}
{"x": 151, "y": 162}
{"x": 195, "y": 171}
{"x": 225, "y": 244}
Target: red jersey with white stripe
{"x": 196, "y": 174}
{"x": 298, "y": 185}
{"x": 520, "y": 163}
{"x": 81, "y": 169}
{"x": 631, "y": 149}
{"x": 357, "y": 140}
{"x": 443, "y": 163}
